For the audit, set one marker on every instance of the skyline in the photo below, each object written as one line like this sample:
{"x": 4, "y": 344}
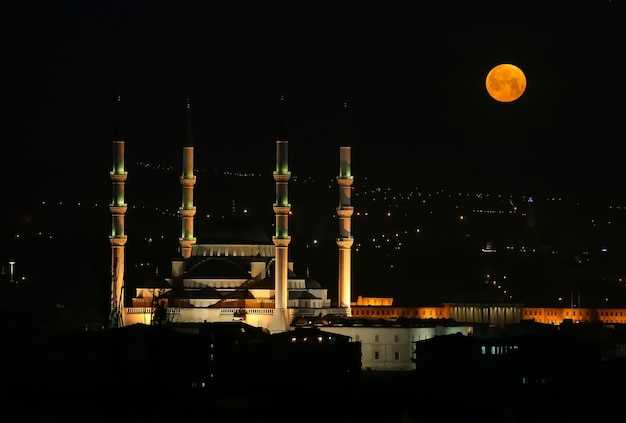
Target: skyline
{"x": 576, "y": 245}
{"x": 412, "y": 75}
{"x": 421, "y": 118}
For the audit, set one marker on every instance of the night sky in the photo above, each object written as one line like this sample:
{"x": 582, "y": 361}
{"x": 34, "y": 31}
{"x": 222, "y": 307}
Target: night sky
{"x": 412, "y": 74}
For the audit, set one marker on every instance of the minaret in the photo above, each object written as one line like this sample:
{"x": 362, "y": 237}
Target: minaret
{"x": 187, "y": 180}
{"x": 344, "y": 215}
{"x": 281, "y": 239}
{"x": 117, "y": 238}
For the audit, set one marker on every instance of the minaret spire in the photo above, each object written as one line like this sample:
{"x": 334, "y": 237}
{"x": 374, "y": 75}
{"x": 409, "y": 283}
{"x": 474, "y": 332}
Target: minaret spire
{"x": 344, "y": 213}
{"x": 281, "y": 239}
{"x": 187, "y": 210}
{"x": 118, "y": 209}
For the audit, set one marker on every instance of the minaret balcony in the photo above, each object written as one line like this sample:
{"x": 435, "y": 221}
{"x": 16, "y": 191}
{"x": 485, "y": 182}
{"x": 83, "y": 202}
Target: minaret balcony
{"x": 345, "y": 181}
{"x": 187, "y": 242}
{"x": 281, "y": 242}
{"x": 345, "y": 243}
{"x": 345, "y": 211}
{"x": 187, "y": 212}
{"x": 282, "y": 210}
{"x": 282, "y": 177}
{"x": 187, "y": 182}
{"x": 118, "y": 240}
{"x": 118, "y": 209}
{"x": 119, "y": 177}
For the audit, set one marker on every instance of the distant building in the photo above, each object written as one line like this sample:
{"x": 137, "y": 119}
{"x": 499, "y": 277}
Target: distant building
{"x": 389, "y": 344}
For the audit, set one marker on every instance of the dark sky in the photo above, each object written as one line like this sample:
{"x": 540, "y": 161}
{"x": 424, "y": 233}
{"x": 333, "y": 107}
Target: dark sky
{"x": 412, "y": 72}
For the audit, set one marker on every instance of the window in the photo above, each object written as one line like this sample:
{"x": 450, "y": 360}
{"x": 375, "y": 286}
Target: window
{"x": 396, "y": 338}
{"x": 376, "y": 355}
{"x": 396, "y": 355}
{"x": 376, "y": 338}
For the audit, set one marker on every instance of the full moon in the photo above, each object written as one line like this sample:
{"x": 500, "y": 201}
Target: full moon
{"x": 505, "y": 82}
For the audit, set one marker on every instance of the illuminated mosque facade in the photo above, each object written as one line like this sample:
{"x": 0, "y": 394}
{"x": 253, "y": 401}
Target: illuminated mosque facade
{"x": 250, "y": 278}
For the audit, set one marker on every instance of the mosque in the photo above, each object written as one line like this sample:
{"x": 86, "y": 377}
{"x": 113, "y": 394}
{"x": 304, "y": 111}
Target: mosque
{"x": 234, "y": 273}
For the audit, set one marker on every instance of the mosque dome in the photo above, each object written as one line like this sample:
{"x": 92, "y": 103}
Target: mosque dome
{"x": 312, "y": 283}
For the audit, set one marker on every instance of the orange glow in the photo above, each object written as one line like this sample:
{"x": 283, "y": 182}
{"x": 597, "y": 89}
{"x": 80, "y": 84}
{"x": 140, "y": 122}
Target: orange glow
{"x": 373, "y": 301}
{"x": 505, "y": 83}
